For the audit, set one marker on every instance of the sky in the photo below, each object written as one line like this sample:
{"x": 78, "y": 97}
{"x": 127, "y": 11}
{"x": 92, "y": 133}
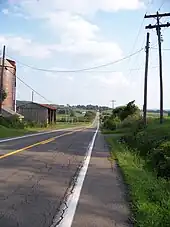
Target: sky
{"x": 70, "y": 35}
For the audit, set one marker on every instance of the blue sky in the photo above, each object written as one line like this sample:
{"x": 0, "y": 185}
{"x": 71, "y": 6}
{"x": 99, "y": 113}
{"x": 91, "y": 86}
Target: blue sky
{"x": 73, "y": 34}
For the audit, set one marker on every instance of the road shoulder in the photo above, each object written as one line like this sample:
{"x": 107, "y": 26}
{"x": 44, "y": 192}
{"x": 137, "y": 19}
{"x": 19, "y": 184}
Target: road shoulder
{"x": 102, "y": 201}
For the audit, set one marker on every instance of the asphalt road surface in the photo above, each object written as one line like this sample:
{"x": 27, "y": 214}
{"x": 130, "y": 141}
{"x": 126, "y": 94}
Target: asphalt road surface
{"x": 35, "y": 173}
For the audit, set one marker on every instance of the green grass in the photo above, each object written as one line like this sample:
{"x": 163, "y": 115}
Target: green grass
{"x": 62, "y": 116}
{"x": 59, "y": 116}
{"x": 11, "y": 132}
{"x": 116, "y": 131}
{"x": 150, "y": 196}
{"x": 6, "y": 132}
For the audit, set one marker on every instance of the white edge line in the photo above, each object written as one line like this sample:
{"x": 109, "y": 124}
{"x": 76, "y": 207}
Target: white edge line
{"x": 74, "y": 197}
{"x": 36, "y": 134}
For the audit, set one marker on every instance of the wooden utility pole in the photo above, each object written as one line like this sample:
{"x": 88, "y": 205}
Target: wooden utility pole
{"x": 158, "y": 27}
{"x": 146, "y": 79}
{"x": 113, "y": 104}
{"x": 2, "y": 77}
{"x": 32, "y": 96}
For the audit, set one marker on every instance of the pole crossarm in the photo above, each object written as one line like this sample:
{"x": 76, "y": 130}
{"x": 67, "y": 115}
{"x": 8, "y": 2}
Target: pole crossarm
{"x": 158, "y": 26}
{"x": 155, "y": 15}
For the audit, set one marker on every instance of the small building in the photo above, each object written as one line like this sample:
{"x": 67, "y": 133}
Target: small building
{"x": 36, "y": 112}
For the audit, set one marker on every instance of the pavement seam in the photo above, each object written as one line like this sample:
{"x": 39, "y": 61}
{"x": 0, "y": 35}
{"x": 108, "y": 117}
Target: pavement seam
{"x": 64, "y": 204}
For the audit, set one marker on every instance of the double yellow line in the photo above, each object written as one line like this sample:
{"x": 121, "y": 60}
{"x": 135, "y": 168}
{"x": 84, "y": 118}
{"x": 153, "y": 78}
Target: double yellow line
{"x": 39, "y": 143}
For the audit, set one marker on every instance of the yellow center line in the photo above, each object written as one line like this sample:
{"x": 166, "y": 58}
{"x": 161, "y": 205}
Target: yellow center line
{"x": 39, "y": 143}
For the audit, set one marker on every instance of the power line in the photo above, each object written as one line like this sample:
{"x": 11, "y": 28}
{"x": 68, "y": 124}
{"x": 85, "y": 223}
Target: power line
{"x": 79, "y": 70}
{"x": 163, "y": 2}
{"x": 166, "y": 49}
{"x": 140, "y": 28}
{"x": 29, "y": 86}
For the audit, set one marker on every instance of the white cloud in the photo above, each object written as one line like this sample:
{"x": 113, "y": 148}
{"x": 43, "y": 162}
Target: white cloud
{"x": 25, "y": 47}
{"x": 78, "y": 36}
{"x": 83, "y": 7}
{"x": 72, "y": 27}
{"x": 5, "y": 11}
{"x": 116, "y": 79}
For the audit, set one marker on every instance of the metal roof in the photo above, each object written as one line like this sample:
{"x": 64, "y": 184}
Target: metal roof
{"x": 47, "y": 106}
{"x": 24, "y": 103}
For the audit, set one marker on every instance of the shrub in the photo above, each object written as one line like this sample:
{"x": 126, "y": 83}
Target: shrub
{"x": 11, "y": 122}
{"x": 131, "y": 121}
{"x": 165, "y": 148}
{"x": 4, "y": 95}
{"x": 111, "y": 123}
{"x": 156, "y": 158}
{"x": 164, "y": 169}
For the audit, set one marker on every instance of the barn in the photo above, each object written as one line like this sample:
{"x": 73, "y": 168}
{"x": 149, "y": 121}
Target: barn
{"x": 36, "y": 112}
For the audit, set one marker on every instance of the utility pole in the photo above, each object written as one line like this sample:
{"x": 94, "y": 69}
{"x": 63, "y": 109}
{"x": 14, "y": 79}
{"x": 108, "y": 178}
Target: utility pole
{"x": 146, "y": 80}
{"x": 32, "y": 96}
{"x": 158, "y": 27}
{"x": 2, "y": 75}
{"x": 113, "y": 104}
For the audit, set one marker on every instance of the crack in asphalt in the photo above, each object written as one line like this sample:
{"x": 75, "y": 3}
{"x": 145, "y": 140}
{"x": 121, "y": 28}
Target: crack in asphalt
{"x": 63, "y": 203}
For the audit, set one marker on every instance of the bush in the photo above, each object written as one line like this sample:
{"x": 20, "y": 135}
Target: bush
{"x": 131, "y": 121}
{"x": 11, "y": 122}
{"x": 165, "y": 148}
{"x": 152, "y": 143}
{"x": 164, "y": 169}
{"x": 111, "y": 123}
{"x": 4, "y": 95}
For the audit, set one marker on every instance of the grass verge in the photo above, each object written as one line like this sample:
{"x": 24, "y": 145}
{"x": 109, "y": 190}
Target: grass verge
{"x": 150, "y": 196}
{"x": 11, "y": 132}
{"x": 116, "y": 131}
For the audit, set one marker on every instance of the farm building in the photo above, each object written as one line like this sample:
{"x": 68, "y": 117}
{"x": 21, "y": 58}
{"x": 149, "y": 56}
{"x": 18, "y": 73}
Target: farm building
{"x": 39, "y": 113}
{"x": 9, "y": 83}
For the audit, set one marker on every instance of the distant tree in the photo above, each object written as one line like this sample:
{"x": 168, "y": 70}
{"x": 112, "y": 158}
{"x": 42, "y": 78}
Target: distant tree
{"x": 90, "y": 115}
{"x": 61, "y": 111}
{"x": 72, "y": 113}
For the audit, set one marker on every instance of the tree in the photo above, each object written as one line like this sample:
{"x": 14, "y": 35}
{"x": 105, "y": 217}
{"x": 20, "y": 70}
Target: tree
{"x": 4, "y": 95}
{"x": 72, "y": 113}
{"x": 90, "y": 115}
{"x": 123, "y": 112}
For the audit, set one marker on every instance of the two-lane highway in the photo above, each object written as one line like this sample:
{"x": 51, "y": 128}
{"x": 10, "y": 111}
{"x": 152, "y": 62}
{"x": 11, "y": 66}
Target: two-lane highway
{"x": 35, "y": 173}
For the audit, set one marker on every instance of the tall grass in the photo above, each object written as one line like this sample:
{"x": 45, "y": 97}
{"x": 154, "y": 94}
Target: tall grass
{"x": 150, "y": 196}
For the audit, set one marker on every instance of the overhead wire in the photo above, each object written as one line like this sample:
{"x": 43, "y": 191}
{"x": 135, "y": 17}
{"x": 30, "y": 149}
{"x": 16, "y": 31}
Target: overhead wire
{"x": 79, "y": 70}
{"x": 139, "y": 31}
{"x": 165, "y": 49}
{"x": 163, "y": 2}
{"x": 6, "y": 67}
